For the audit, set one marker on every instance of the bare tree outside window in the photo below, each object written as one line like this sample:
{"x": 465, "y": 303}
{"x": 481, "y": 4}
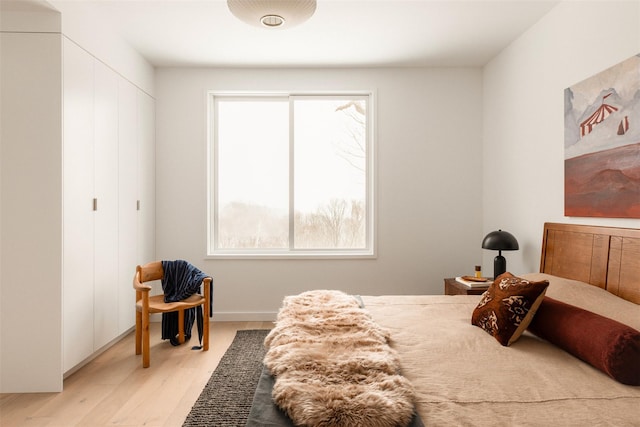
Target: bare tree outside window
{"x": 355, "y": 153}
{"x": 331, "y": 131}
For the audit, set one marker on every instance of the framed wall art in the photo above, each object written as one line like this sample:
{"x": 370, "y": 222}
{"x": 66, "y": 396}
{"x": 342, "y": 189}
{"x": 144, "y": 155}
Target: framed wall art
{"x": 602, "y": 144}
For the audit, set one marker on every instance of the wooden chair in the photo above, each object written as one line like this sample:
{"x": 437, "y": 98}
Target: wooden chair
{"x": 146, "y": 305}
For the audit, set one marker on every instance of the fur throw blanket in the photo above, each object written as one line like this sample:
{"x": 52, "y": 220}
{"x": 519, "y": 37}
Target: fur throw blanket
{"x": 333, "y": 366}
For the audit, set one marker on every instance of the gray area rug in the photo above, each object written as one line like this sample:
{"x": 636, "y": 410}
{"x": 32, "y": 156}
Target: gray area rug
{"x": 226, "y": 399}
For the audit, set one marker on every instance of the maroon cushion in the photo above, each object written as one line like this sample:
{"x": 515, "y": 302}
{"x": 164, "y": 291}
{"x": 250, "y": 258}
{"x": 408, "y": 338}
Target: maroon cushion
{"x": 608, "y": 345}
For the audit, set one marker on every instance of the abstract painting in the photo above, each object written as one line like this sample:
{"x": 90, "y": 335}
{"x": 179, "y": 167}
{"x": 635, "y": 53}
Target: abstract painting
{"x": 602, "y": 144}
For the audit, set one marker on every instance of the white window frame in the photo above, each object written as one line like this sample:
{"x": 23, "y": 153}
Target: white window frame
{"x": 370, "y": 251}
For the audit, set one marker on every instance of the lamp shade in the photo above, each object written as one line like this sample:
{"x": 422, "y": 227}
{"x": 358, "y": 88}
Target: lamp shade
{"x": 500, "y": 241}
{"x": 272, "y": 13}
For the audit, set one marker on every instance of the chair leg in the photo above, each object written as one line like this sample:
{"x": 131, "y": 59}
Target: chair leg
{"x": 205, "y": 329}
{"x": 181, "y": 326}
{"x": 145, "y": 340}
{"x": 138, "y": 332}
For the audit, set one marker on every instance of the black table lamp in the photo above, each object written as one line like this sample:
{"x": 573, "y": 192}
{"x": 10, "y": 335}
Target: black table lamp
{"x": 500, "y": 241}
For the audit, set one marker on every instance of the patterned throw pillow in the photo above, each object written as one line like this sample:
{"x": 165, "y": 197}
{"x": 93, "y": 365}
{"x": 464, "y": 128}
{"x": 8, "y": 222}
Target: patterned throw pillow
{"x": 508, "y": 306}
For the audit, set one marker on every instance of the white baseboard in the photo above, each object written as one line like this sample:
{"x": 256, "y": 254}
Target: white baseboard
{"x": 248, "y": 316}
{"x": 234, "y": 316}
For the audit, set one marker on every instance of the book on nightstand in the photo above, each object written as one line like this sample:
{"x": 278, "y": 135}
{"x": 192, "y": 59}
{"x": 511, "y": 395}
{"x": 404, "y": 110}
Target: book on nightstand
{"x": 474, "y": 282}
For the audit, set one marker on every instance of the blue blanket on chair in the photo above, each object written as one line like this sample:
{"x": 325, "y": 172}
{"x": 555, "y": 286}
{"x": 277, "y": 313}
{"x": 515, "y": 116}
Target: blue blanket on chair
{"x": 181, "y": 280}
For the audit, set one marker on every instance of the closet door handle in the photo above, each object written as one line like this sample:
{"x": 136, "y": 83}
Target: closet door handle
{"x": 95, "y": 204}
{"x": 137, "y": 205}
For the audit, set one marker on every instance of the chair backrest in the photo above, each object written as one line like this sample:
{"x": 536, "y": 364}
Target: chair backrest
{"x": 151, "y": 271}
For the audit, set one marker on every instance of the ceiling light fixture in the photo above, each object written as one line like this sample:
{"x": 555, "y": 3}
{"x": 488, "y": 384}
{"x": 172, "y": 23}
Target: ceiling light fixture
{"x": 272, "y": 13}
{"x": 272, "y": 21}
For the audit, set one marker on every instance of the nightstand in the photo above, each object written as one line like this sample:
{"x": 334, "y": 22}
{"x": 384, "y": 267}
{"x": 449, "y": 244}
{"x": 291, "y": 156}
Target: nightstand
{"x": 452, "y": 287}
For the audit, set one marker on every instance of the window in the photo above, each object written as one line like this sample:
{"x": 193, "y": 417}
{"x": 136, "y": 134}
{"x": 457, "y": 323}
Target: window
{"x": 291, "y": 175}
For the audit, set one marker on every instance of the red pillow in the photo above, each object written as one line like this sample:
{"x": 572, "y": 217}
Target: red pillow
{"x": 606, "y": 344}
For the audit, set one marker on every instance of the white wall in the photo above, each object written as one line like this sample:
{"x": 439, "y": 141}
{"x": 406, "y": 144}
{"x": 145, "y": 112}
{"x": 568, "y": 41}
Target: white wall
{"x": 428, "y": 167}
{"x": 524, "y": 118}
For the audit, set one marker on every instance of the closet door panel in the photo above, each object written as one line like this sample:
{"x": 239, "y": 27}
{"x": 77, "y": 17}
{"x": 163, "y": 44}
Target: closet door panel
{"x": 78, "y": 238}
{"x": 128, "y": 197}
{"x": 106, "y": 213}
{"x": 146, "y": 178}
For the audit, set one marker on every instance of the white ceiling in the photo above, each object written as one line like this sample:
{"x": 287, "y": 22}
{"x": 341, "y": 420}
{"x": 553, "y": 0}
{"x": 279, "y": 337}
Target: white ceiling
{"x": 342, "y": 33}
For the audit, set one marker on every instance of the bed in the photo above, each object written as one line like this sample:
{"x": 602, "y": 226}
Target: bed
{"x": 462, "y": 376}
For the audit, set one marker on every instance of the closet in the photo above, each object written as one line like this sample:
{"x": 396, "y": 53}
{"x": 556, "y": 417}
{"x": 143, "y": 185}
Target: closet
{"x": 103, "y": 136}
{"x": 78, "y": 206}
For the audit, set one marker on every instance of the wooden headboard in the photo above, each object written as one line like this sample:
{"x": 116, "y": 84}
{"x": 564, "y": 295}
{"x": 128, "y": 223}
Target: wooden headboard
{"x": 608, "y": 257}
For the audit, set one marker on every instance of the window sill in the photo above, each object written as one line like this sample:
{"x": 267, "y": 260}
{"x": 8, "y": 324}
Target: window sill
{"x": 293, "y": 255}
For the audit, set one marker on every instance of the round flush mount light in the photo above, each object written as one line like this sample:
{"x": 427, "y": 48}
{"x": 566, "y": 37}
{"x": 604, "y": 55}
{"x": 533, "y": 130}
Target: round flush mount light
{"x": 272, "y": 13}
{"x": 272, "y": 21}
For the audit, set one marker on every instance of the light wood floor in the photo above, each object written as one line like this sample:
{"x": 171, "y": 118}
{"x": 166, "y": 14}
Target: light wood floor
{"x": 114, "y": 389}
